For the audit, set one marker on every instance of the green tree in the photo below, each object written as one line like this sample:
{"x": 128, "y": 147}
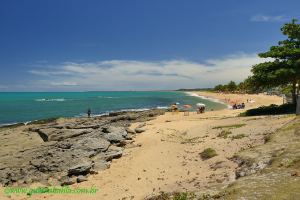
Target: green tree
{"x": 218, "y": 87}
{"x": 231, "y": 86}
{"x": 224, "y": 88}
{"x": 284, "y": 69}
{"x": 241, "y": 87}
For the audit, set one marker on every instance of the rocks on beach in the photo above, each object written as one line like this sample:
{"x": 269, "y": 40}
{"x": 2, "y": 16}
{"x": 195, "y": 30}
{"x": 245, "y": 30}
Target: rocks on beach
{"x": 72, "y": 148}
{"x": 140, "y": 128}
{"x": 81, "y": 169}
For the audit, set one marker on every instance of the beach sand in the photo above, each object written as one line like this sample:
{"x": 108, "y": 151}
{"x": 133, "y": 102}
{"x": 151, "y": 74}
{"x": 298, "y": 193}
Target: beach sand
{"x": 167, "y": 156}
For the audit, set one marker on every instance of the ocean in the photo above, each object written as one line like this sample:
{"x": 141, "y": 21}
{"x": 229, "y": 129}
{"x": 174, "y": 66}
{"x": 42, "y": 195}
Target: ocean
{"x": 17, "y": 107}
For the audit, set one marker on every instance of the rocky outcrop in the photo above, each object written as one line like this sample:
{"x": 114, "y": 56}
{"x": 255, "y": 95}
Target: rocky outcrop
{"x": 72, "y": 149}
{"x": 91, "y": 145}
{"x": 114, "y": 134}
{"x": 140, "y": 128}
{"x": 81, "y": 169}
{"x": 248, "y": 167}
{"x": 53, "y": 134}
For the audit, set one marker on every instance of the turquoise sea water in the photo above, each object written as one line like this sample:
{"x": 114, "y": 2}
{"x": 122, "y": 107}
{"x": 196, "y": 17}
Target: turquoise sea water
{"x": 29, "y": 106}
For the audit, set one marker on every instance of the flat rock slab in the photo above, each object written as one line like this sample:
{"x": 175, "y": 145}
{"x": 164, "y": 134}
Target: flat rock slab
{"x": 53, "y": 134}
{"x": 80, "y": 169}
{"x": 92, "y": 144}
{"x": 115, "y": 134}
{"x": 109, "y": 155}
{"x": 100, "y": 164}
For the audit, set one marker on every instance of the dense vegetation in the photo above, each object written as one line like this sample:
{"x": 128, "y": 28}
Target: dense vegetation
{"x": 284, "y": 69}
{"x": 271, "y": 110}
{"x": 242, "y": 87}
{"x": 281, "y": 72}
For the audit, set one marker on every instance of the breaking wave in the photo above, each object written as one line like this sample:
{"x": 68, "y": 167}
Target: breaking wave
{"x": 49, "y": 100}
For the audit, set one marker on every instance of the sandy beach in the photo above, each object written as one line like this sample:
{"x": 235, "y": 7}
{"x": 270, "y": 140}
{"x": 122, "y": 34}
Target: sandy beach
{"x": 150, "y": 100}
{"x": 166, "y": 157}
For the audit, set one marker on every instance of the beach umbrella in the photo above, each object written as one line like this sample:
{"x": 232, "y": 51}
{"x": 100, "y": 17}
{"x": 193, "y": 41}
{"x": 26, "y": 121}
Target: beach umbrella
{"x": 200, "y": 105}
{"x": 187, "y": 106}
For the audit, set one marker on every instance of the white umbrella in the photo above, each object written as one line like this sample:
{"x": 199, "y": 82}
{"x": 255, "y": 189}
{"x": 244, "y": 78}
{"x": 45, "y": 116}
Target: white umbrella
{"x": 200, "y": 105}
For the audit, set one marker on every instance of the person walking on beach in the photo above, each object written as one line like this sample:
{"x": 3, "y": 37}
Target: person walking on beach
{"x": 89, "y": 112}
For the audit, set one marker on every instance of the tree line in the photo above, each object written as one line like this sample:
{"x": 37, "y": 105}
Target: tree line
{"x": 282, "y": 71}
{"x": 242, "y": 87}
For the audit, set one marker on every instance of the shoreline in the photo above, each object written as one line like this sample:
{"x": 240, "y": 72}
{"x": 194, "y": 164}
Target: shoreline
{"x": 216, "y": 100}
{"x": 107, "y": 113}
{"x": 16, "y": 124}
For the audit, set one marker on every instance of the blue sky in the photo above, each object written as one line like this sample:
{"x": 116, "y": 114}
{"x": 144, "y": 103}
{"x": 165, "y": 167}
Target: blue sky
{"x": 79, "y": 45}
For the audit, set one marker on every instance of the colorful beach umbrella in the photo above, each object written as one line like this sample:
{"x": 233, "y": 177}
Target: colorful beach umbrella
{"x": 187, "y": 106}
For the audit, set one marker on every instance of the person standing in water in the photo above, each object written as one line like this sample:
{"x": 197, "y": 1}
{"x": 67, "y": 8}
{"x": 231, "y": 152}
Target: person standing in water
{"x": 89, "y": 112}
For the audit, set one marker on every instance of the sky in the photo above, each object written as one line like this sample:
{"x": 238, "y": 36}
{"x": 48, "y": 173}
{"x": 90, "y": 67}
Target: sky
{"x": 97, "y": 45}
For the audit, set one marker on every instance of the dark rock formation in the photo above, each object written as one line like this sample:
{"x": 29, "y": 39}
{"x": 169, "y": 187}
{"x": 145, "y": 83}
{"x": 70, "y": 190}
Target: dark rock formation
{"x": 80, "y": 169}
{"x": 72, "y": 149}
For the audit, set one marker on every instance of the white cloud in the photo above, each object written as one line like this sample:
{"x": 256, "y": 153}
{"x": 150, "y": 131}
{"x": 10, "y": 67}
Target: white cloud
{"x": 269, "y": 18}
{"x": 146, "y": 75}
{"x": 48, "y": 73}
{"x": 3, "y": 87}
{"x": 64, "y": 84}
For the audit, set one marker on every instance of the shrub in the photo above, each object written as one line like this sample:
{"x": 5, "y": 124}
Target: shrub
{"x": 231, "y": 126}
{"x": 208, "y": 153}
{"x": 224, "y": 134}
{"x": 239, "y": 136}
{"x": 181, "y": 196}
{"x": 271, "y": 110}
{"x": 267, "y": 138}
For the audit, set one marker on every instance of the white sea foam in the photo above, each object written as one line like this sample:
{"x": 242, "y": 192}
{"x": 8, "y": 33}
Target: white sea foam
{"x": 137, "y": 109}
{"x": 207, "y": 98}
{"x": 49, "y": 100}
{"x": 122, "y": 110}
{"x": 14, "y": 123}
{"x": 92, "y": 115}
{"x": 162, "y": 107}
{"x": 102, "y": 97}
{"x": 7, "y": 124}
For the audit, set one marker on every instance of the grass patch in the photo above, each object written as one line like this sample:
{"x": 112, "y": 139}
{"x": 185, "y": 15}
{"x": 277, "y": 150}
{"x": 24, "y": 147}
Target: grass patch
{"x": 193, "y": 140}
{"x": 238, "y": 136}
{"x": 208, "y": 153}
{"x": 290, "y": 163}
{"x": 271, "y": 110}
{"x": 224, "y": 134}
{"x": 181, "y": 196}
{"x": 232, "y": 126}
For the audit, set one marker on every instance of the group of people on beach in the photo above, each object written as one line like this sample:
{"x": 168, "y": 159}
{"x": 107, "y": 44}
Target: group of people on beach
{"x": 200, "y": 109}
{"x": 238, "y": 106}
